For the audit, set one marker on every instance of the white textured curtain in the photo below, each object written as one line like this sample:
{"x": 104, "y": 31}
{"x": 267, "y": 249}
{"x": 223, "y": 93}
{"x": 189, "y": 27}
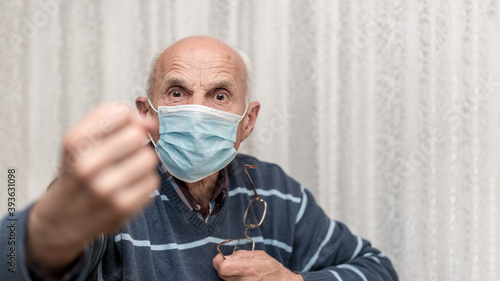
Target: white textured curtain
{"x": 387, "y": 110}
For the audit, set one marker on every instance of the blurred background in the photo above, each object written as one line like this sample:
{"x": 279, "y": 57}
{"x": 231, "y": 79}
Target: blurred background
{"x": 388, "y": 111}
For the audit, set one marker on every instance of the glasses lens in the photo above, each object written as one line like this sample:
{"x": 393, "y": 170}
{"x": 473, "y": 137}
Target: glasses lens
{"x": 255, "y": 213}
{"x": 244, "y": 243}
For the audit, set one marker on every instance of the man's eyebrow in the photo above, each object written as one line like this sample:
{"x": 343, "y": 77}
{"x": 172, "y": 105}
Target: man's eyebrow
{"x": 174, "y": 81}
{"x": 222, "y": 84}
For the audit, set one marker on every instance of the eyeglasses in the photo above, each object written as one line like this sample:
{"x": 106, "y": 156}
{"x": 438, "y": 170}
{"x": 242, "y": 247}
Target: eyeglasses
{"x": 253, "y": 218}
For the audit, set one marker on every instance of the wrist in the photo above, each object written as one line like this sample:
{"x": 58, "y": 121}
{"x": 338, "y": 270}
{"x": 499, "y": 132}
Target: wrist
{"x": 46, "y": 247}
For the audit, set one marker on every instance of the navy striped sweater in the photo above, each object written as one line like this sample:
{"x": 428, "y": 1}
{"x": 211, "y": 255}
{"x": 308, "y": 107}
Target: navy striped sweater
{"x": 168, "y": 241}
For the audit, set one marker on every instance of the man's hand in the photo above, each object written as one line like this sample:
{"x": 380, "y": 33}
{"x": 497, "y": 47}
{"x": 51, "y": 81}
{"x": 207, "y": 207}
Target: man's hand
{"x": 252, "y": 265}
{"x": 106, "y": 176}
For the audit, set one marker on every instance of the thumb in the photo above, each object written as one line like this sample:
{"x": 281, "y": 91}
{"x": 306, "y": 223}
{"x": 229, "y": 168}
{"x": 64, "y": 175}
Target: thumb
{"x": 216, "y": 261}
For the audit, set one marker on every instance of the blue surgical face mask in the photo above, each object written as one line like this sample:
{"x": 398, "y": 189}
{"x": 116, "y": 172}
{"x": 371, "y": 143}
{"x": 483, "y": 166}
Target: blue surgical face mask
{"x": 195, "y": 140}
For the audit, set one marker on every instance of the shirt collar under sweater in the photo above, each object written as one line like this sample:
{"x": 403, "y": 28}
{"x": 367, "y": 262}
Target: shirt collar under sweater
{"x": 220, "y": 192}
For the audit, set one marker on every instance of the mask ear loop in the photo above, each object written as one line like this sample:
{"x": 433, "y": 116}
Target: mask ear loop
{"x": 153, "y": 142}
{"x": 242, "y": 116}
{"x": 149, "y": 135}
{"x": 244, "y": 113}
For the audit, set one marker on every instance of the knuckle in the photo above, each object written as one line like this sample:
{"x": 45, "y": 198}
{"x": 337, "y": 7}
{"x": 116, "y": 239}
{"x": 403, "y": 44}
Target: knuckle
{"x": 153, "y": 182}
{"x": 98, "y": 194}
{"x": 81, "y": 171}
{"x": 155, "y": 178}
{"x": 69, "y": 142}
{"x": 118, "y": 107}
{"x": 83, "y": 148}
{"x": 240, "y": 253}
{"x": 224, "y": 268}
{"x": 151, "y": 160}
{"x": 68, "y": 162}
{"x": 127, "y": 207}
{"x": 101, "y": 189}
{"x": 122, "y": 208}
{"x": 136, "y": 135}
{"x": 120, "y": 110}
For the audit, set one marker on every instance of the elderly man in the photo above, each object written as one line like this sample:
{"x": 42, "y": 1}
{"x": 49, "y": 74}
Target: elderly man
{"x": 214, "y": 214}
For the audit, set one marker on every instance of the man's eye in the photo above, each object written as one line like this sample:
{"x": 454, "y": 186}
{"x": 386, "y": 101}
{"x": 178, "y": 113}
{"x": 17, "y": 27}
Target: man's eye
{"x": 220, "y": 96}
{"x": 176, "y": 94}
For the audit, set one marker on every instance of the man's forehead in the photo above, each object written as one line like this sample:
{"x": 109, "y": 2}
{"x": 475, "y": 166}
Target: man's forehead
{"x": 201, "y": 58}
{"x": 175, "y": 69}
{"x": 202, "y": 52}
{"x": 186, "y": 63}
{"x": 199, "y": 61}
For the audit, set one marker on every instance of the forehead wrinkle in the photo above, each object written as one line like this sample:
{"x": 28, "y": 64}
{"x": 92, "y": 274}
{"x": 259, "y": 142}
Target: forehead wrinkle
{"x": 178, "y": 76}
{"x": 190, "y": 67}
{"x": 185, "y": 73}
{"x": 224, "y": 82}
{"x": 175, "y": 81}
{"x": 200, "y": 59}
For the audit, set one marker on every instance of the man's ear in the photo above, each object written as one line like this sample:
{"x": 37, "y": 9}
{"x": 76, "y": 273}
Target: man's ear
{"x": 143, "y": 107}
{"x": 250, "y": 119}
{"x": 147, "y": 113}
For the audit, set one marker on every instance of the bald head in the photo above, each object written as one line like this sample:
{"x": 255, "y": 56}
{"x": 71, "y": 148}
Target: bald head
{"x": 199, "y": 53}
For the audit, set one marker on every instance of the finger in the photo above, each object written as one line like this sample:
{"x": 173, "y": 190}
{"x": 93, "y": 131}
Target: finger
{"x": 124, "y": 204}
{"x": 100, "y": 122}
{"x": 124, "y": 173}
{"x": 113, "y": 149}
{"x": 149, "y": 123}
{"x": 132, "y": 199}
{"x": 242, "y": 263}
{"x": 234, "y": 267}
{"x": 224, "y": 270}
{"x": 216, "y": 261}
{"x": 244, "y": 254}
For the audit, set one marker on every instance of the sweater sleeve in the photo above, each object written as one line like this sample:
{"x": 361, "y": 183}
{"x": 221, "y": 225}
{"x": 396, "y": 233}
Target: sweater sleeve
{"x": 14, "y": 265}
{"x": 326, "y": 250}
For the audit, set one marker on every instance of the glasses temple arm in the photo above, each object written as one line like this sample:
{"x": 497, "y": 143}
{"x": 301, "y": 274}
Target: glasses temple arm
{"x": 250, "y": 179}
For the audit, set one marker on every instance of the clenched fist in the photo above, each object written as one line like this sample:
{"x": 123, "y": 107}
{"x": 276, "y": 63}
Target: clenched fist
{"x": 105, "y": 178}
